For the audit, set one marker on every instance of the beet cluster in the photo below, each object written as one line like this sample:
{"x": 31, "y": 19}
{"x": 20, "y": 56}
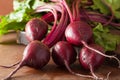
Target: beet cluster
{"x": 67, "y": 32}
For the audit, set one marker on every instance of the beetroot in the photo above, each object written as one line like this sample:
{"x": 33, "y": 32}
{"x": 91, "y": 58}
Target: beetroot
{"x": 36, "y": 29}
{"x": 58, "y": 29}
{"x": 63, "y": 54}
{"x": 35, "y": 55}
{"x": 77, "y": 31}
{"x": 90, "y": 60}
{"x": 63, "y": 51}
{"x": 87, "y": 57}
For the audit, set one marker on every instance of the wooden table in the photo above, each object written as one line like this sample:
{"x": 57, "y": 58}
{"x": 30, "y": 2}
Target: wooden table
{"x": 11, "y": 52}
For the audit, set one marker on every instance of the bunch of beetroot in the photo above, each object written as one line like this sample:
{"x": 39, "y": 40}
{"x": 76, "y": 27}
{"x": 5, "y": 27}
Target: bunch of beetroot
{"x": 68, "y": 29}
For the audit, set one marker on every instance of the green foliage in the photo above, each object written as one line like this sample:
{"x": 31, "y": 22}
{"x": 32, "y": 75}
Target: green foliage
{"x": 22, "y": 12}
{"x": 104, "y": 38}
{"x": 114, "y": 4}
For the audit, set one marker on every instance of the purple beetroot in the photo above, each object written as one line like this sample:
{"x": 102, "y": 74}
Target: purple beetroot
{"x": 35, "y": 55}
{"x": 63, "y": 54}
{"x": 36, "y": 29}
{"x": 91, "y": 60}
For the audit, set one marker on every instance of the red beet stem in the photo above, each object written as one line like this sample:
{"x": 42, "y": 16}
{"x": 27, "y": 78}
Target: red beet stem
{"x": 58, "y": 30}
{"x": 112, "y": 14}
{"x": 68, "y": 10}
{"x": 55, "y": 35}
{"x": 97, "y": 17}
{"x": 77, "y": 18}
{"x": 49, "y": 8}
{"x": 49, "y": 17}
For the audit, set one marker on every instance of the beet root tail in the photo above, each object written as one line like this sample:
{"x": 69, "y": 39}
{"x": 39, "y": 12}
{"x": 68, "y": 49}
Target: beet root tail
{"x": 13, "y": 72}
{"x": 94, "y": 75}
{"x": 10, "y": 66}
{"x": 78, "y": 74}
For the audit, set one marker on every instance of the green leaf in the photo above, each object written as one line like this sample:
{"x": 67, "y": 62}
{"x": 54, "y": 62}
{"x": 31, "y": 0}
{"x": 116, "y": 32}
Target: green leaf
{"x": 100, "y": 6}
{"x": 114, "y": 5}
{"x": 36, "y": 3}
{"x": 12, "y": 26}
{"x": 22, "y": 13}
{"x": 104, "y": 38}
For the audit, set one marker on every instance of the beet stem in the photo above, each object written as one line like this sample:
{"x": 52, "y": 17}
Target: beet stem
{"x": 112, "y": 14}
{"x": 53, "y": 37}
{"x": 14, "y": 71}
{"x": 46, "y": 8}
{"x": 9, "y": 66}
{"x": 68, "y": 9}
{"x": 77, "y": 9}
{"x": 85, "y": 44}
{"x": 77, "y": 74}
{"x": 74, "y": 10}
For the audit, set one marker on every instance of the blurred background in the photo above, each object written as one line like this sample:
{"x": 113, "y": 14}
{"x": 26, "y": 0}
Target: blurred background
{"x": 6, "y": 6}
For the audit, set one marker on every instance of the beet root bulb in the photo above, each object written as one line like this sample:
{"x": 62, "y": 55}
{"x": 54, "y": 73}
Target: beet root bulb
{"x": 78, "y": 31}
{"x": 91, "y": 60}
{"x": 36, "y": 55}
{"x": 63, "y": 51}
{"x": 36, "y": 29}
{"x": 63, "y": 54}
